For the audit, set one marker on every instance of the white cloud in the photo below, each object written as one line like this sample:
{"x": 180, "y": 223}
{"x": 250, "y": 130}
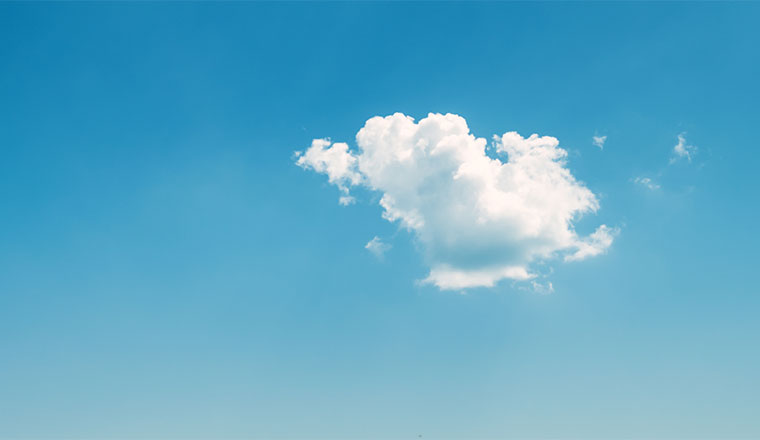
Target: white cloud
{"x": 449, "y": 277}
{"x": 682, "y": 150}
{"x": 476, "y": 218}
{"x": 543, "y": 289}
{"x": 595, "y": 244}
{"x": 647, "y": 182}
{"x": 377, "y": 248}
{"x": 335, "y": 161}
{"x": 599, "y": 141}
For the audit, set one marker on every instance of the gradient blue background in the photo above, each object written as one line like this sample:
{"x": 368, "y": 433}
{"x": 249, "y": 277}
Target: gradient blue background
{"x": 166, "y": 270}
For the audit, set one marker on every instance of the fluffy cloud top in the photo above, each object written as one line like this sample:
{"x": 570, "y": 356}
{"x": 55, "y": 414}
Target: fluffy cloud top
{"x": 682, "y": 150}
{"x": 478, "y": 219}
{"x": 599, "y": 141}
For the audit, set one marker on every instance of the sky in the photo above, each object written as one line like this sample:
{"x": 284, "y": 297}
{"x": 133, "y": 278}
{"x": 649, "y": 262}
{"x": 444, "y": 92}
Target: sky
{"x": 330, "y": 220}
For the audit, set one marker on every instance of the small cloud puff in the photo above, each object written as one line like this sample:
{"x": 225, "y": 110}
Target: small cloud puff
{"x": 477, "y": 219}
{"x": 335, "y": 161}
{"x": 377, "y": 248}
{"x": 599, "y": 141}
{"x": 543, "y": 289}
{"x": 595, "y": 244}
{"x": 682, "y": 150}
{"x": 647, "y": 183}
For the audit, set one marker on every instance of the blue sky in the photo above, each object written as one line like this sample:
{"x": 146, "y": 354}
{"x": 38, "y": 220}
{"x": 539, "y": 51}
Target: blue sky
{"x": 166, "y": 270}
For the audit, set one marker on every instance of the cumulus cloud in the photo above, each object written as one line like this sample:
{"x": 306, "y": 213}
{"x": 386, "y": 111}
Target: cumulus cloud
{"x": 477, "y": 219}
{"x": 599, "y": 141}
{"x": 377, "y": 248}
{"x": 682, "y": 150}
{"x": 647, "y": 183}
